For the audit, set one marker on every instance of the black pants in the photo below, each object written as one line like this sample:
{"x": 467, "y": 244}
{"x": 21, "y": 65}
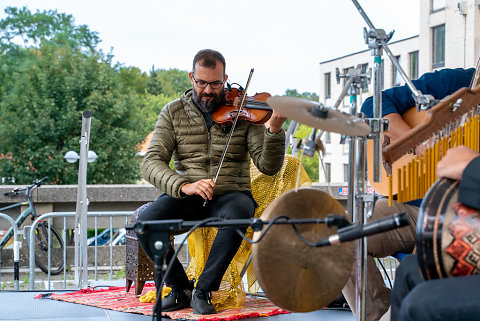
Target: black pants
{"x": 235, "y": 205}
{"x": 451, "y": 299}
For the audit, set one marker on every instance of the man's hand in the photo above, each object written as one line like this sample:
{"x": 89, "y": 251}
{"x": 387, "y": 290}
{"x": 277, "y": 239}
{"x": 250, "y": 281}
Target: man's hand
{"x": 203, "y": 187}
{"x": 455, "y": 161}
{"x": 275, "y": 122}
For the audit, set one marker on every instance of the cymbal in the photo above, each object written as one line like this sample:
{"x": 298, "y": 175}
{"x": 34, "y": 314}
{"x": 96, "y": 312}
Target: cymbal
{"x": 295, "y": 276}
{"x": 318, "y": 116}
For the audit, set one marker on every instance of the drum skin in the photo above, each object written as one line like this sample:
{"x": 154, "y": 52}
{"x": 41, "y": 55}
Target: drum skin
{"x": 448, "y": 234}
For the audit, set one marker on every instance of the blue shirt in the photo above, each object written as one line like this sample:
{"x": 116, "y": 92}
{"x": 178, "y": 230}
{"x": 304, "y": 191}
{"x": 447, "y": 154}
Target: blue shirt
{"x": 439, "y": 84}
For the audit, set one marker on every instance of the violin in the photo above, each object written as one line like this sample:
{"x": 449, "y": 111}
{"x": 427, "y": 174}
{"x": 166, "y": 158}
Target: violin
{"x": 255, "y": 109}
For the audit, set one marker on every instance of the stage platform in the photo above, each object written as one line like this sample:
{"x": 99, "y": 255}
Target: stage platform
{"x": 21, "y": 305}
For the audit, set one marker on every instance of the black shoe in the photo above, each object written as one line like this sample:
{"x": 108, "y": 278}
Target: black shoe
{"x": 201, "y": 302}
{"x": 177, "y": 299}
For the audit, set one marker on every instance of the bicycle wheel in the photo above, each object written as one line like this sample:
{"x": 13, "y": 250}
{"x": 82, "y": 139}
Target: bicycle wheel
{"x": 41, "y": 249}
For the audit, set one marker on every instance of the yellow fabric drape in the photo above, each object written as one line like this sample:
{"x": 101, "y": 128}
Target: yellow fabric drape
{"x": 264, "y": 189}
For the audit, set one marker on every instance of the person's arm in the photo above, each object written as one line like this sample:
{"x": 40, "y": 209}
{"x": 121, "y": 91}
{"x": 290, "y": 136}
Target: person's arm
{"x": 462, "y": 163}
{"x": 439, "y": 84}
{"x": 274, "y": 124}
{"x": 155, "y": 167}
{"x": 469, "y": 188}
{"x": 266, "y": 148}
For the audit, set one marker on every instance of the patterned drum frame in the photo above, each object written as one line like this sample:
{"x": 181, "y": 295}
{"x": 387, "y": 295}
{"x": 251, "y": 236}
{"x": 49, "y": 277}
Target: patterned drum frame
{"x": 448, "y": 234}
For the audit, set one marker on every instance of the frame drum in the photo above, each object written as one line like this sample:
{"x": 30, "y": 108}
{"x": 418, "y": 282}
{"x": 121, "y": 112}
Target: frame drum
{"x": 448, "y": 234}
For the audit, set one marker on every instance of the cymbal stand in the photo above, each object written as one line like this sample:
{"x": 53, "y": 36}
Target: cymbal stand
{"x": 358, "y": 200}
{"x": 377, "y": 39}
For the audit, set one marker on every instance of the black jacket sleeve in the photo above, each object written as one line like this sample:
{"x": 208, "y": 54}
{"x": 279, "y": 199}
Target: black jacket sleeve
{"x": 469, "y": 188}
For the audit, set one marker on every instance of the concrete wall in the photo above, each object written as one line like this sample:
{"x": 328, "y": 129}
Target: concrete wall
{"x": 62, "y": 198}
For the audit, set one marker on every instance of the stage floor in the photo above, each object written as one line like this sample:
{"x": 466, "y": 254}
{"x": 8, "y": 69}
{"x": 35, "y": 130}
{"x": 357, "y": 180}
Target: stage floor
{"x": 21, "y": 305}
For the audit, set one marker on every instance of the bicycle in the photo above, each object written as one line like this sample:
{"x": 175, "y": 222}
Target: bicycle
{"x": 41, "y": 232}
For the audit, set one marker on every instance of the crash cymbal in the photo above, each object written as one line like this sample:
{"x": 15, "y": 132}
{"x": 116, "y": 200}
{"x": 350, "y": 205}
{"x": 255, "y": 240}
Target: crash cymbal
{"x": 318, "y": 116}
{"x": 295, "y": 276}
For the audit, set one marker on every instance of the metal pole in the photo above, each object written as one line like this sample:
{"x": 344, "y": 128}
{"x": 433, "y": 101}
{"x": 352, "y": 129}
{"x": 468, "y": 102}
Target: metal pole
{"x": 377, "y": 114}
{"x": 81, "y": 258}
{"x": 16, "y": 250}
{"x": 354, "y": 80}
{"x": 360, "y": 218}
{"x": 352, "y": 150}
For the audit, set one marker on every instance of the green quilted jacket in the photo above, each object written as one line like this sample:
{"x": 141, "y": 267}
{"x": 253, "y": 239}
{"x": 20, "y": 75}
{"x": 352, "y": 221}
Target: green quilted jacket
{"x": 181, "y": 131}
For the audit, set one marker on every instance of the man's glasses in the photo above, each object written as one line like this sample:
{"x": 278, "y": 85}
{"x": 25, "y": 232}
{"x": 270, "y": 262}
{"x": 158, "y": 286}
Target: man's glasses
{"x": 203, "y": 84}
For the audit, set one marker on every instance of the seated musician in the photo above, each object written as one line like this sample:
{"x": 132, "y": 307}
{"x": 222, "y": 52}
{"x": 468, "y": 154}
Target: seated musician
{"x": 453, "y": 298}
{"x": 395, "y": 102}
{"x": 186, "y": 130}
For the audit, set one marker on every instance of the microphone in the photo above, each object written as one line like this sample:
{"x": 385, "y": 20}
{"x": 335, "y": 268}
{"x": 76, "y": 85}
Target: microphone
{"x": 313, "y": 144}
{"x": 357, "y": 231}
{"x": 309, "y": 148}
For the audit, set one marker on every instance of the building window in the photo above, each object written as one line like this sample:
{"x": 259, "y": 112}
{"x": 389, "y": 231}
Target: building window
{"x": 345, "y": 73}
{"x": 438, "y": 46}
{"x": 328, "y": 172}
{"x": 397, "y": 77}
{"x": 413, "y": 57}
{"x": 328, "y": 85}
{"x": 365, "y": 81}
{"x": 328, "y": 138}
{"x": 437, "y": 5}
{"x": 345, "y": 172}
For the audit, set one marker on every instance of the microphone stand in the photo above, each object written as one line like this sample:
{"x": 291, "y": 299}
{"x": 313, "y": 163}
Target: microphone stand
{"x": 157, "y": 234}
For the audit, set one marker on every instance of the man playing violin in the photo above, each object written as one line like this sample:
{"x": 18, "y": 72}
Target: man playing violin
{"x": 186, "y": 130}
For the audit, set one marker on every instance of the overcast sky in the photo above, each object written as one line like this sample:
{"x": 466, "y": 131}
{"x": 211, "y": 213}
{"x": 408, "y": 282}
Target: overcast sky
{"x": 283, "y": 40}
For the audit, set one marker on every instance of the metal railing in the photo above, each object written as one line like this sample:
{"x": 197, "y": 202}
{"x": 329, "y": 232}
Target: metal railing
{"x": 388, "y": 267}
{"x": 48, "y": 217}
{"x": 16, "y": 251}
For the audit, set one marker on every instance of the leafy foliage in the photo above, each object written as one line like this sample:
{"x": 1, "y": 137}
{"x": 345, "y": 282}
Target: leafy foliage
{"x": 310, "y": 164}
{"x": 51, "y": 71}
{"x": 305, "y": 95}
{"x": 168, "y": 82}
{"x": 44, "y": 89}
{"x": 35, "y": 29}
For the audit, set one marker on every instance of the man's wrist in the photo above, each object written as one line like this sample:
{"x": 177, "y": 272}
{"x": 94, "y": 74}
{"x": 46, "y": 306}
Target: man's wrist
{"x": 273, "y": 131}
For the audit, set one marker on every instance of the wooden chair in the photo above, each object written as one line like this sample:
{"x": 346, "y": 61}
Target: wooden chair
{"x": 138, "y": 267}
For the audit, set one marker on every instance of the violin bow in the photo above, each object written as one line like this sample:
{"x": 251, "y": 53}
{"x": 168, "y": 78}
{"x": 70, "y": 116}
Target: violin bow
{"x": 234, "y": 123}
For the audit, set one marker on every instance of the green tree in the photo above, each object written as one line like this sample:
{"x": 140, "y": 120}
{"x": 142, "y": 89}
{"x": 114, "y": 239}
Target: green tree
{"x": 132, "y": 78}
{"x": 305, "y": 94}
{"x": 46, "y": 83}
{"x": 170, "y": 82}
{"x": 303, "y": 131}
{"x": 34, "y": 29}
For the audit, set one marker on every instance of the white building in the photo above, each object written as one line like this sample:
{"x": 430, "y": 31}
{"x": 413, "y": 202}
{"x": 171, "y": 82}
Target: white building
{"x": 449, "y": 38}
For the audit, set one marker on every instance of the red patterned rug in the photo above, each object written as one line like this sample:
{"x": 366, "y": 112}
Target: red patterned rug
{"x": 115, "y": 298}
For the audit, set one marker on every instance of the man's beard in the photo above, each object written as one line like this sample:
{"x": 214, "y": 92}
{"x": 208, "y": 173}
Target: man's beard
{"x": 207, "y": 106}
